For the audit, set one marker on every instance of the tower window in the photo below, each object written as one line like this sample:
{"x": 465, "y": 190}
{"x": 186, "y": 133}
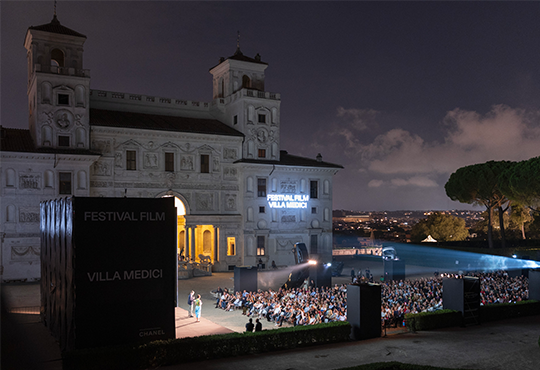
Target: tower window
{"x": 205, "y": 163}
{"x": 57, "y": 58}
{"x": 235, "y": 120}
{"x": 64, "y": 183}
{"x": 261, "y": 188}
{"x": 63, "y": 99}
{"x": 262, "y": 153}
{"x": 246, "y": 81}
{"x": 131, "y": 160}
{"x": 261, "y": 209}
{"x": 314, "y": 244}
{"x": 63, "y": 141}
{"x": 262, "y": 118}
{"x": 169, "y": 162}
{"x": 231, "y": 250}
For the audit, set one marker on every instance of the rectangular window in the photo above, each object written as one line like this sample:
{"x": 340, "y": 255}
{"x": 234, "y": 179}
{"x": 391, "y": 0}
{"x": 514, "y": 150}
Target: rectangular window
{"x": 260, "y": 245}
{"x": 313, "y": 189}
{"x": 64, "y": 183}
{"x": 314, "y": 246}
{"x": 231, "y": 246}
{"x": 261, "y": 209}
{"x": 261, "y": 188}
{"x": 131, "y": 160}
{"x": 235, "y": 120}
{"x": 205, "y": 163}
{"x": 169, "y": 162}
{"x": 262, "y": 153}
{"x": 313, "y": 210}
{"x": 63, "y": 141}
{"x": 63, "y": 99}
{"x": 262, "y": 118}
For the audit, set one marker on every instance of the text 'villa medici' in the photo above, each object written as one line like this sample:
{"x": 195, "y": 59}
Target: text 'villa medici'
{"x": 123, "y": 216}
{"x": 127, "y": 275}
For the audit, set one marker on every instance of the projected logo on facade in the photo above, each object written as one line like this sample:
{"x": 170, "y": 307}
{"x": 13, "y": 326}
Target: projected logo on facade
{"x": 287, "y": 201}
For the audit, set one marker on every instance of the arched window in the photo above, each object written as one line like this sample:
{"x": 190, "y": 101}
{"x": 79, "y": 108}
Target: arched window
{"x": 46, "y": 92}
{"x": 249, "y": 184}
{"x": 326, "y": 187}
{"x": 221, "y": 88}
{"x": 81, "y": 137}
{"x": 10, "y": 213}
{"x": 79, "y": 96}
{"x": 249, "y": 214}
{"x": 81, "y": 179}
{"x": 57, "y": 58}
{"x": 246, "y": 82}
{"x": 207, "y": 242}
{"x": 10, "y": 177}
{"x": 46, "y": 136}
{"x": 49, "y": 179}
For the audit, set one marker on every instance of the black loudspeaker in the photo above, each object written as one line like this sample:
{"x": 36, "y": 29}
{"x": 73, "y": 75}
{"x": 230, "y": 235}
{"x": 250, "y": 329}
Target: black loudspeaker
{"x": 364, "y": 310}
{"x": 463, "y": 295}
{"x": 394, "y": 270}
{"x": 534, "y": 284}
{"x": 518, "y": 272}
{"x": 245, "y": 278}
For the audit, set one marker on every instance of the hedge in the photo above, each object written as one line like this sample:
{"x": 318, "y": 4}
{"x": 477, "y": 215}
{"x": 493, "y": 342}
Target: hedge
{"x": 175, "y": 351}
{"x": 433, "y": 320}
{"x": 448, "y": 318}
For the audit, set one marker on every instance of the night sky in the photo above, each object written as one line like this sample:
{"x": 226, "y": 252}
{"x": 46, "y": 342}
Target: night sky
{"x": 401, "y": 94}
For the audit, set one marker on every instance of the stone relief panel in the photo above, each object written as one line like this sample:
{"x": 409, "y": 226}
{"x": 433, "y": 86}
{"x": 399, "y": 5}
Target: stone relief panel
{"x": 30, "y": 181}
{"x": 118, "y": 159}
{"x": 102, "y": 168}
{"x": 230, "y": 173}
{"x": 287, "y": 244}
{"x": 25, "y": 253}
{"x": 186, "y": 163}
{"x": 230, "y": 202}
{"x": 63, "y": 119}
{"x": 215, "y": 166}
{"x": 204, "y": 201}
{"x": 229, "y": 154}
{"x": 288, "y": 217}
{"x": 29, "y": 214}
{"x": 102, "y": 146}
{"x": 288, "y": 186}
{"x": 150, "y": 160}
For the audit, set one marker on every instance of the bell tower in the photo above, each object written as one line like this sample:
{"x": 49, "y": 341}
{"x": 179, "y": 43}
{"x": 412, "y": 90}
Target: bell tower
{"x": 240, "y": 98}
{"x": 58, "y": 87}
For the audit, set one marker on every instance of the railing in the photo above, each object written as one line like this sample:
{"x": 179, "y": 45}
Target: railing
{"x": 62, "y": 70}
{"x": 187, "y": 270}
{"x": 149, "y": 100}
{"x": 375, "y": 251}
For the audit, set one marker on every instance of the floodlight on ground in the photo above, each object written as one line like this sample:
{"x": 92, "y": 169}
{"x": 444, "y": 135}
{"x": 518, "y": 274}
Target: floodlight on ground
{"x": 312, "y": 262}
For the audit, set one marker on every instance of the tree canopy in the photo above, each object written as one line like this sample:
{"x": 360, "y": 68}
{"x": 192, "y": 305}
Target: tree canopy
{"x": 479, "y": 184}
{"x": 442, "y": 227}
{"x": 521, "y": 183}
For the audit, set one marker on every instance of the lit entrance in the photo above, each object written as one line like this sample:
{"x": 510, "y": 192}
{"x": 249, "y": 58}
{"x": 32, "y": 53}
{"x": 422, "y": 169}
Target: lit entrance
{"x": 196, "y": 243}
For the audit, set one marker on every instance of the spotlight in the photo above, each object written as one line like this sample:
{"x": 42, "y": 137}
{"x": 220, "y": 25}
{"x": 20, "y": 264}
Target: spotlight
{"x": 312, "y": 262}
{"x": 328, "y": 264}
{"x": 514, "y": 256}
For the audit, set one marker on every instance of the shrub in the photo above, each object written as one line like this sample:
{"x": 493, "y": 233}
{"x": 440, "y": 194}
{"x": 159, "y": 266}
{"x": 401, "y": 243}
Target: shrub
{"x": 175, "y": 351}
{"x": 433, "y": 320}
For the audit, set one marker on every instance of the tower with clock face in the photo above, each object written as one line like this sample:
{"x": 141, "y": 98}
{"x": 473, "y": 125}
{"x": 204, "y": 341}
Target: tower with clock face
{"x": 58, "y": 87}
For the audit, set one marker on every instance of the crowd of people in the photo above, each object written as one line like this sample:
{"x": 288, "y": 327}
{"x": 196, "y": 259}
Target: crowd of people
{"x": 310, "y": 305}
{"x": 289, "y": 307}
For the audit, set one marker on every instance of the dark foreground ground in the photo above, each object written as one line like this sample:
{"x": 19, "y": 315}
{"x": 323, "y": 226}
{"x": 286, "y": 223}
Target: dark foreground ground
{"x": 508, "y": 344}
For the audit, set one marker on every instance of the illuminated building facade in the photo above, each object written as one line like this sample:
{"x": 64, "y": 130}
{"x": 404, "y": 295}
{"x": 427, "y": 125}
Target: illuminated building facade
{"x": 240, "y": 198}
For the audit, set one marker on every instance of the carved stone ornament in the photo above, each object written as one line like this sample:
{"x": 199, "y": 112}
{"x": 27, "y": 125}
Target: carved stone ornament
{"x": 262, "y": 135}
{"x": 205, "y": 201}
{"x": 287, "y": 186}
{"x": 63, "y": 118}
{"x": 29, "y": 214}
{"x": 150, "y": 160}
{"x": 30, "y": 181}
{"x": 102, "y": 168}
{"x": 229, "y": 153}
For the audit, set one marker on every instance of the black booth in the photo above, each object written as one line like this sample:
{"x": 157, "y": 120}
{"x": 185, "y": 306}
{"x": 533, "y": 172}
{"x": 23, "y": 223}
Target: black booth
{"x": 394, "y": 269}
{"x": 364, "y": 310}
{"x": 463, "y": 294}
{"x": 245, "y": 278}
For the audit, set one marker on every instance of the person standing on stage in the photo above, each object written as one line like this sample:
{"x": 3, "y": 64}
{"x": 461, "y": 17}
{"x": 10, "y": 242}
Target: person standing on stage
{"x": 190, "y": 300}
{"x": 198, "y": 306}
